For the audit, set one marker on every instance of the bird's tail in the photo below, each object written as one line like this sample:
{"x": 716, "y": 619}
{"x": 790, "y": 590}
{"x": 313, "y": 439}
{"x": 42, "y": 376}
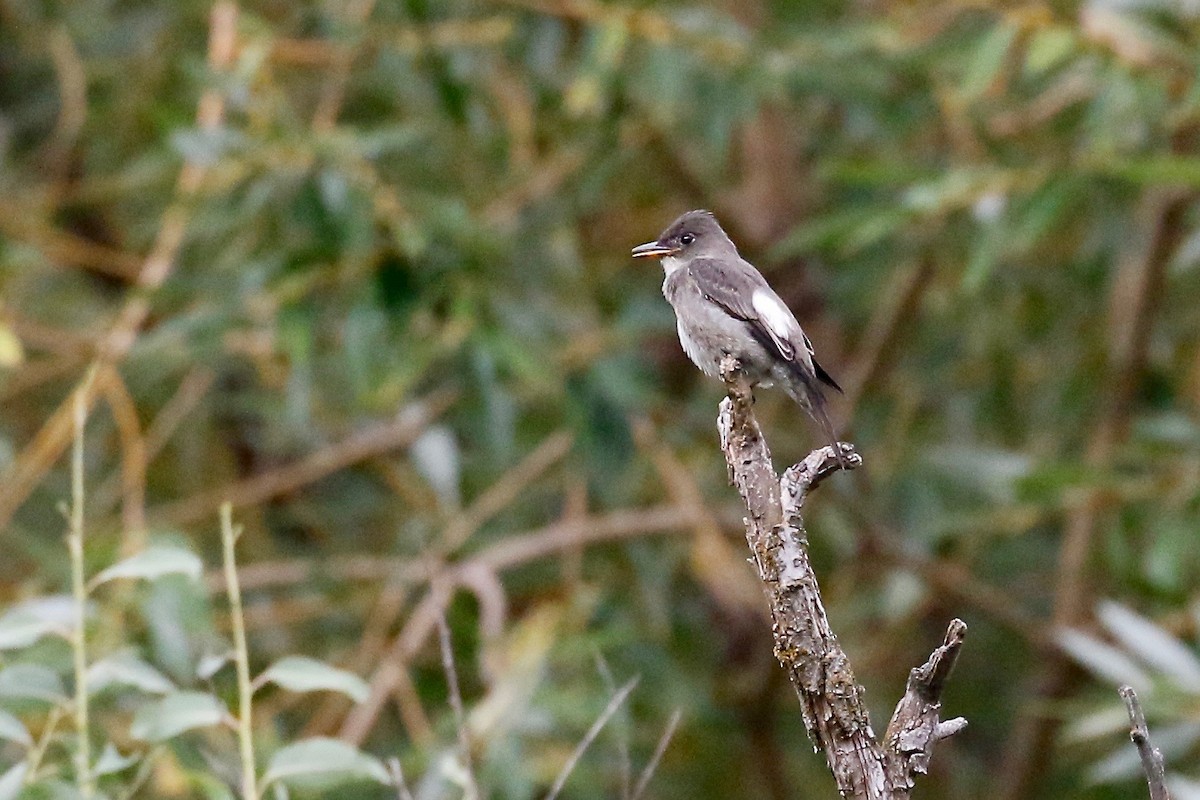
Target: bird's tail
{"x": 811, "y": 397}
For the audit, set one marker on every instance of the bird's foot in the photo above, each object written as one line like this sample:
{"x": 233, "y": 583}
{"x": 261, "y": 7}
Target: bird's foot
{"x": 847, "y": 457}
{"x": 736, "y": 380}
{"x": 824, "y": 461}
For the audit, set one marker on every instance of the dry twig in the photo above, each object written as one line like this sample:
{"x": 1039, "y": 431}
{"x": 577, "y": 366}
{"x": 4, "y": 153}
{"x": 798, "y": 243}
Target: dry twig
{"x": 615, "y": 703}
{"x": 659, "y": 750}
{"x": 1152, "y": 757}
{"x": 507, "y": 489}
{"x": 333, "y": 90}
{"x": 133, "y": 459}
{"x": 192, "y": 388}
{"x": 713, "y": 555}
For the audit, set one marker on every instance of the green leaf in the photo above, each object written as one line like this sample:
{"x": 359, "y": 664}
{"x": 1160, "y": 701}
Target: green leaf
{"x": 1152, "y": 645}
{"x": 301, "y": 674}
{"x": 1119, "y": 765}
{"x": 985, "y": 254}
{"x": 322, "y": 763}
{"x": 1048, "y": 47}
{"x": 175, "y": 714}
{"x": 13, "y": 730}
{"x": 20, "y": 628}
{"x": 847, "y": 230}
{"x": 31, "y": 682}
{"x": 1100, "y": 725}
{"x": 12, "y": 353}
{"x": 13, "y": 780}
{"x": 126, "y": 669}
{"x": 1103, "y": 660}
{"x": 991, "y": 471}
{"x": 437, "y": 456}
{"x": 45, "y": 788}
{"x": 1169, "y": 427}
{"x": 211, "y": 663}
{"x": 1183, "y": 788}
{"x": 955, "y": 189}
{"x": 990, "y": 55}
{"x": 111, "y": 761}
{"x": 205, "y": 147}
{"x": 179, "y": 621}
{"x": 155, "y": 562}
{"x": 1044, "y": 213}
{"x": 1124, "y": 763}
{"x": 1169, "y": 170}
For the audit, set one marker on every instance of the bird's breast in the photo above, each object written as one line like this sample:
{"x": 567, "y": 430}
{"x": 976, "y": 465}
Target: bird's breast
{"x": 708, "y": 332}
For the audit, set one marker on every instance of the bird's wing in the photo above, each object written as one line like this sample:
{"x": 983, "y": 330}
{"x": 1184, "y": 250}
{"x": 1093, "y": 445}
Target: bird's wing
{"x": 743, "y": 293}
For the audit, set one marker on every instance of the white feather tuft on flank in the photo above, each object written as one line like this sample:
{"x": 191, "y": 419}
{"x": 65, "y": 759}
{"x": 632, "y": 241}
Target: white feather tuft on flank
{"x": 774, "y": 314}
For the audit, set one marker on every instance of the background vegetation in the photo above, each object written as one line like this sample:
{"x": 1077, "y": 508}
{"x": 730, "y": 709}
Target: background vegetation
{"x": 361, "y": 269}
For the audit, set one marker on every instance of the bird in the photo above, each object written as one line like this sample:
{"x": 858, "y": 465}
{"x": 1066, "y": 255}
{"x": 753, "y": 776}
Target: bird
{"x": 725, "y": 307}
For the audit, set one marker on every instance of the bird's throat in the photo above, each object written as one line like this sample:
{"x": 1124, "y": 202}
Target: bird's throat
{"x": 671, "y": 263}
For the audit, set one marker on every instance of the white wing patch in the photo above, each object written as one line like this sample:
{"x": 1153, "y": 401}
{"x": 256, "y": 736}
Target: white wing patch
{"x": 777, "y": 319}
{"x": 774, "y": 314}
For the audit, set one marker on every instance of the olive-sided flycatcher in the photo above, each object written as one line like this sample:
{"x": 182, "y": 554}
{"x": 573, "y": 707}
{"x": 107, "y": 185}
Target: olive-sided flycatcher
{"x": 723, "y": 306}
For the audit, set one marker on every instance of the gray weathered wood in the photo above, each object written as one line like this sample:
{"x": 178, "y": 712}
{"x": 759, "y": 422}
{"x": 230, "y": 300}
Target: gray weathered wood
{"x": 831, "y": 700}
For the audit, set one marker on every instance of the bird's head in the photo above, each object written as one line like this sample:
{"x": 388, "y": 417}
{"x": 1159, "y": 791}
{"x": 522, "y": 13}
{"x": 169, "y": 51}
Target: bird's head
{"x": 696, "y": 233}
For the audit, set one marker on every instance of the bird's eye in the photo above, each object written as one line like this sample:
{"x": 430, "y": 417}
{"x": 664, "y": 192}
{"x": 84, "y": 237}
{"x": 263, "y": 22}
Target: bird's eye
{"x": 686, "y": 239}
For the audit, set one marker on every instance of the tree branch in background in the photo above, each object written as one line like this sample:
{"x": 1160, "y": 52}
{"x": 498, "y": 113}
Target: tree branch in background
{"x": 831, "y": 700}
{"x": 1152, "y": 757}
{"x": 394, "y": 434}
{"x": 1134, "y": 301}
{"x": 52, "y": 440}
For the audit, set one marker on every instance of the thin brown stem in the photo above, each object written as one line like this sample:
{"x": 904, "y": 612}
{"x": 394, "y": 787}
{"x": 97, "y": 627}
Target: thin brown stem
{"x": 241, "y": 654}
{"x": 615, "y": 703}
{"x": 456, "y": 704}
{"x": 84, "y": 778}
{"x": 516, "y": 550}
{"x": 659, "y": 750}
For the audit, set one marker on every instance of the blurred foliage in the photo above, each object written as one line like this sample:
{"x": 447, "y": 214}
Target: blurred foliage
{"x": 984, "y": 214}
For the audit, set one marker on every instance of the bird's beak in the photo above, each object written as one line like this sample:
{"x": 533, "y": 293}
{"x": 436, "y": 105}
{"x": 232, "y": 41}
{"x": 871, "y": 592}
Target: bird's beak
{"x": 653, "y": 250}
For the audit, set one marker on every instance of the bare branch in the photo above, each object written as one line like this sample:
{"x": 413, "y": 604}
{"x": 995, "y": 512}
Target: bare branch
{"x": 831, "y": 701}
{"x": 506, "y": 490}
{"x": 915, "y": 725}
{"x": 499, "y": 557}
{"x": 1152, "y": 757}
